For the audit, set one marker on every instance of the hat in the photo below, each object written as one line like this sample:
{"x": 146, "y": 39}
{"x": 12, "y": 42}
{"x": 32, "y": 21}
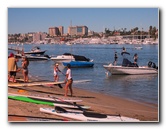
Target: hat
{"x": 56, "y": 64}
{"x": 11, "y": 55}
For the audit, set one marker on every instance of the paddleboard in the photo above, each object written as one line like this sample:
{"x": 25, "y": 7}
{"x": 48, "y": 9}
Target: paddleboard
{"x": 71, "y": 106}
{"x": 80, "y": 81}
{"x": 34, "y": 84}
{"x": 89, "y": 116}
{"x": 30, "y": 100}
{"x": 15, "y": 118}
{"x": 52, "y": 99}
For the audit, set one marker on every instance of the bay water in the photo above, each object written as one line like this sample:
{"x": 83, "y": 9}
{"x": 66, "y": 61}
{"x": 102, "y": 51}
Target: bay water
{"x": 140, "y": 88}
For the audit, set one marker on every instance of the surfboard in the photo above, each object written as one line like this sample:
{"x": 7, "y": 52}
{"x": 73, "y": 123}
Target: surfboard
{"x": 30, "y": 100}
{"x": 34, "y": 84}
{"x": 89, "y": 116}
{"x": 51, "y": 99}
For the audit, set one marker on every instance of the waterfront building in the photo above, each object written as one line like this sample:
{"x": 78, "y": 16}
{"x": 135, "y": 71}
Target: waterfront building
{"x": 39, "y": 36}
{"x": 53, "y": 31}
{"x": 61, "y": 30}
{"x": 78, "y": 30}
{"x": 56, "y": 31}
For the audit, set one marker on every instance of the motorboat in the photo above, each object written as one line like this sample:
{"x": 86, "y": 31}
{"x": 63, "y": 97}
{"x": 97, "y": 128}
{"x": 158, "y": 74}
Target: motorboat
{"x": 79, "y": 61}
{"x": 128, "y": 68}
{"x": 138, "y": 48}
{"x": 37, "y": 58}
{"x": 35, "y": 50}
{"x": 34, "y": 57}
{"x": 63, "y": 58}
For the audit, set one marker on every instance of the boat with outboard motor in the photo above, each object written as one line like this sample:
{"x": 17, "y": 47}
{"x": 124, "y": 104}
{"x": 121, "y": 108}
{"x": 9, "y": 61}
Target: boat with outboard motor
{"x": 128, "y": 68}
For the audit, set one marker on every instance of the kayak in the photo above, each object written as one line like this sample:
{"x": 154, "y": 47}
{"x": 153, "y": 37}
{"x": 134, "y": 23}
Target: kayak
{"x": 88, "y": 116}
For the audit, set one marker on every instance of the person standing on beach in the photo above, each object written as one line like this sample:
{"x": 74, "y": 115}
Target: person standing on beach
{"x": 56, "y": 70}
{"x": 25, "y": 63}
{"x": 68, "y": 81}
{"x": 12, "y": 67}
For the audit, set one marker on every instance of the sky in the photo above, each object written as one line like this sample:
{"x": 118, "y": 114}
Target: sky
{"x": 24, "y": 20}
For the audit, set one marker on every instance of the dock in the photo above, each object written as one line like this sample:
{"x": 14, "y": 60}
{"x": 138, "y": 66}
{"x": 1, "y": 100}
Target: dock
{"x": 16, "y": 48}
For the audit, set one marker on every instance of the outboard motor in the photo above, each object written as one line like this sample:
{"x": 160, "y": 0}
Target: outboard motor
{"x": 152, "y": 65}
{"x": 46, "y": 56}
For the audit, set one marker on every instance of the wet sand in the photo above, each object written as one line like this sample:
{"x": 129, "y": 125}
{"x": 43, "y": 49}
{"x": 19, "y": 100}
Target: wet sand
{"x": 99, "y": 103}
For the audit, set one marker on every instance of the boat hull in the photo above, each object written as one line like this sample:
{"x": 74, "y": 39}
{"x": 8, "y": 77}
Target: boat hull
{"x": 78, "y": 64}
{"x": 120, "y": 70}
{"x": 38, "y": 52}
{"x": 36, "y": 58}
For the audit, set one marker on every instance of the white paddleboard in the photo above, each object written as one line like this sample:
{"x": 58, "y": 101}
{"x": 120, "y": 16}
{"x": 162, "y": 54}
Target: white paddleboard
{"x": 91, "y": 117}
{"x": 71, "y": 106}
{"x": 34, "y": 84}
{"x": 81, "y": 81}
{"x": 47, "y": 99}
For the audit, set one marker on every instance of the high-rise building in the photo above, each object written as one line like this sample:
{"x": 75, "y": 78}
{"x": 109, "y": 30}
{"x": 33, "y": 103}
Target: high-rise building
{"x": 78, "y": 30}
{"x": 53, "y": 31}
{"x": 39, "y": 36}
{"x": 56, "y": 31}
{"x": 61, "y": 30}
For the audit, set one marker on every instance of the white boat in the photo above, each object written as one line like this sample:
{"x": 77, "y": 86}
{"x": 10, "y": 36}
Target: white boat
{"x": 37, "y": 57}
{"x": 35, "y": 50}
{"x": 128, "y": 68}
{"x": 138, "y": 48}
{"x": 34, "y": 57}
{"x": 63, "y": 58}
{"x": 68, "y": 57}
{"x": 88, "y": 116}
{"x": 121, "y": 70}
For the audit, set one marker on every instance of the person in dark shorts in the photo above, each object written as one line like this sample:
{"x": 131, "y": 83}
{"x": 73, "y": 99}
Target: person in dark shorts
{"x": 115, "y": 58}
{"x": 135, "y": 59}
{"x": 68, "y": 81}
{"x": 12, "y": 67}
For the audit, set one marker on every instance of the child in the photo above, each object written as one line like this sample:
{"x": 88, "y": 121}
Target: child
{"x": 56, "y": 70}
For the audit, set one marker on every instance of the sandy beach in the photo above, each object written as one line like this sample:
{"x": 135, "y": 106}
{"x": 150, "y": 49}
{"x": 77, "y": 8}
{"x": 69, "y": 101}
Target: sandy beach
{"x": 99, "y": 103}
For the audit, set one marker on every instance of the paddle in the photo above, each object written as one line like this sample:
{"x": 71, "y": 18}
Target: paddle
{"x": 60, "y": 86}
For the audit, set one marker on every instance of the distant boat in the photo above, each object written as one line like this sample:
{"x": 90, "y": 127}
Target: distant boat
{"x": 79, "y": 61}
{"x": 65, "y": 57}
{"x": 34, "y": 57}
{"x": 79, "y": 64}
{"x": 36, "y": 50}
{"x": 138, "y": 48}
{"x": 37, "y": 58}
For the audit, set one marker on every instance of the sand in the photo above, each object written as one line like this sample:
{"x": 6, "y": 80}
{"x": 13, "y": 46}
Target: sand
{"x": 99, "y": 103}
